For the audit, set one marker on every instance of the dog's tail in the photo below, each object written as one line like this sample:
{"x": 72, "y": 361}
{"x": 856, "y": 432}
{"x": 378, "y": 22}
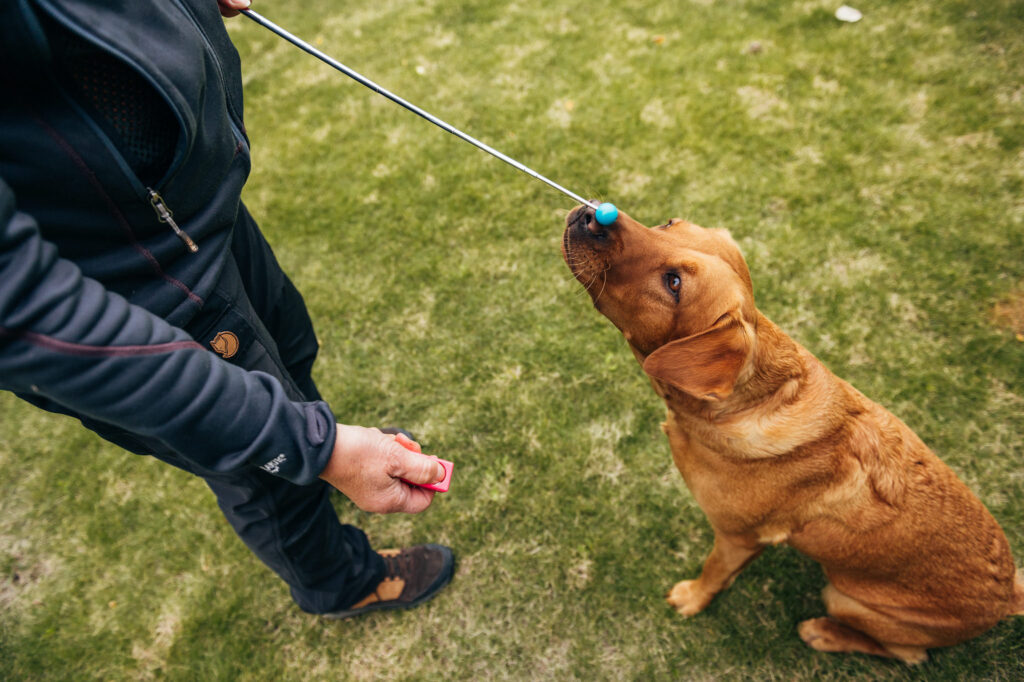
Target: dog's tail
{"x": 1018, "y": 595}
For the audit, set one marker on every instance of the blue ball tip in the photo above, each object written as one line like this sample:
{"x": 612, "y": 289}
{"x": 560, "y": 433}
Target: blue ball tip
{"x": 606, "y": 214}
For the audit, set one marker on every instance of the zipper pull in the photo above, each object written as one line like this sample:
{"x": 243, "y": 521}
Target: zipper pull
{"x": 164, "y": 215}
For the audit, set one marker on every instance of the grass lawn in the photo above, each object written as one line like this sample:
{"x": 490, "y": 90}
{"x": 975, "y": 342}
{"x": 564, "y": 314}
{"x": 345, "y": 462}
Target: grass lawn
{"x": 873, "y": 174}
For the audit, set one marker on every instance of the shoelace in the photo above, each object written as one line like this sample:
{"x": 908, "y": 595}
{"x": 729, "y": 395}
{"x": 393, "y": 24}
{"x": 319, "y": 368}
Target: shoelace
{"x": 398, "y": 565}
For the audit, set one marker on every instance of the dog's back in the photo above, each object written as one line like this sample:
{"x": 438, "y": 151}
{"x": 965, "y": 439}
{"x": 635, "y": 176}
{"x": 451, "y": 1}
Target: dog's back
{"x": 905, "y": 536}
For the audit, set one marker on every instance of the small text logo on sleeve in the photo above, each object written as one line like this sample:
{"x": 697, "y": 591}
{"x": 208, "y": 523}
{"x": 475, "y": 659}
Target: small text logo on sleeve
{"x": 274, "y": 465}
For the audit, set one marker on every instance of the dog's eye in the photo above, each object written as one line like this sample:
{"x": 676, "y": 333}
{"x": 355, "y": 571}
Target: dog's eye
{"x": 674, "y": 283}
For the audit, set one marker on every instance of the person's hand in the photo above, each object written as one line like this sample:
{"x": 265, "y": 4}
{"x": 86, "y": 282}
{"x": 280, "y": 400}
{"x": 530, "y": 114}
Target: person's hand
{"x": 366, "y": 466}
{"x": 229, "y": 8}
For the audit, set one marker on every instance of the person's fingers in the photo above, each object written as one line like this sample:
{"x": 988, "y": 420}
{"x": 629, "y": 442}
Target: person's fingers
{"x": 408, "y": 443}
{"x": 229, "y": 8}
{"x": 414, "y": 467}
{"x": 418, "y": 500}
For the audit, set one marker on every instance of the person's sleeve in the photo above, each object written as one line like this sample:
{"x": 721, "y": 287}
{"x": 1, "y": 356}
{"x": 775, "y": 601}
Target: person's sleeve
{"x": 66, "y": 338}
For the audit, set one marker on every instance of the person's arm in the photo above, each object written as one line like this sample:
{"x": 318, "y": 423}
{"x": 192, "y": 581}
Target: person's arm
{"x": 66, "y": 338}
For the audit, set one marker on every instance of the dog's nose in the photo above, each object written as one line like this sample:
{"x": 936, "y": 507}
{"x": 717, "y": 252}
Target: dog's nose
{"x": 583, "y": 217}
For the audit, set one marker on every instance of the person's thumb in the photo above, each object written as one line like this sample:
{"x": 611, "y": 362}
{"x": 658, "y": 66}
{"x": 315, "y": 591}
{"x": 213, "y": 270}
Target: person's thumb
{"x": 416, "y": 468}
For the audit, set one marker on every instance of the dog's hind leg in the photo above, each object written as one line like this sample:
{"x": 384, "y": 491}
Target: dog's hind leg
{"x": 826, "y": 634}
{"x": 842, "y": 632}
{"x": 728, "y": 557}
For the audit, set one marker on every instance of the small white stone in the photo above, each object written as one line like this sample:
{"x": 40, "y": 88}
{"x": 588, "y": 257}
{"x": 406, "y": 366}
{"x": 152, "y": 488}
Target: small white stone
{"x": 848, "y": 14}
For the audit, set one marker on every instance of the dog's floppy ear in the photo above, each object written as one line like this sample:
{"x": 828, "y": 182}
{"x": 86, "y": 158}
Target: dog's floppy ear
{"x": 705, "y": 365}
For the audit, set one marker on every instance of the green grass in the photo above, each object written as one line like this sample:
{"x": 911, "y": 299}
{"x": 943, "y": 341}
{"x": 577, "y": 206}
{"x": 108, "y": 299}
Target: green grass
{"x": 873, "y": 174}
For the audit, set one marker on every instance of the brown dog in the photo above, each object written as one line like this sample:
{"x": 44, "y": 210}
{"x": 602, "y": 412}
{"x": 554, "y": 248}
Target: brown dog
{"x": 775, "y": 449}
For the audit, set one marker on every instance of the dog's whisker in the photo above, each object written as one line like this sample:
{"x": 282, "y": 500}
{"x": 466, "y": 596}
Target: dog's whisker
{"x": 580, "y": 272}
{"x": 604, "y": 283}
{"x": 603, "y": 275}
{"x": 572, "y": 278}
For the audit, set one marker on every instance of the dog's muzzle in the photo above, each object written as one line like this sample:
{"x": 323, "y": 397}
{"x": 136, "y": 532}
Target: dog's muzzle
{"x": 583, "y": 244}
{"x": 582, "y": 221}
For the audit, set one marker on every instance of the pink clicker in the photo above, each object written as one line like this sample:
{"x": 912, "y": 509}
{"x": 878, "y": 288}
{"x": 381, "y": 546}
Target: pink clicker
{"x": 439, "y": 486}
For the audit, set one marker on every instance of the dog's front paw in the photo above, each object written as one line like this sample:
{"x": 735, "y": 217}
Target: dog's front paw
{"x": 688, "y": 599}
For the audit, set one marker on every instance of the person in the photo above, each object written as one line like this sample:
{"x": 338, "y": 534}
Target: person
{"x": 138, "y": 295}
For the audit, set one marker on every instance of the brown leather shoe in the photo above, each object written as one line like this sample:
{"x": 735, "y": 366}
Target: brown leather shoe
{"x": 414, "y": 575}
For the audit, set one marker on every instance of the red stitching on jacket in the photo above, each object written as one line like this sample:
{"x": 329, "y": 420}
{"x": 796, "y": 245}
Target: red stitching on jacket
{"x": 122, "y": 221}
{"x": 83, "y": 350}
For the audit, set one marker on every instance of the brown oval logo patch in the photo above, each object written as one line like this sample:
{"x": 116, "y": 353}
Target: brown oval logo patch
{"x": 225, "y": 343}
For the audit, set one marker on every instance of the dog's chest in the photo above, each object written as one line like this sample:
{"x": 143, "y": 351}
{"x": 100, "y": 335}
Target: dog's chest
{"x": 765, "y": 497}
{"x": 738, "y": 496}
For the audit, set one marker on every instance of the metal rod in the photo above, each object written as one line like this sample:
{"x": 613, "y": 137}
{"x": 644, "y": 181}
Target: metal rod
{"x": 354, "y": 75}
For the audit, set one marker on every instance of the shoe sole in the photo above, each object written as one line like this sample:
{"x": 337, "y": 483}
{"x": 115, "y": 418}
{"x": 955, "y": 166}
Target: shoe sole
{"x": 443, "y": 578}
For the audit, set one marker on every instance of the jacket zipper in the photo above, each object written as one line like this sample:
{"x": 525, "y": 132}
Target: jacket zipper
{"x": 164, "y": 215}
{"x": 163, "y": 212}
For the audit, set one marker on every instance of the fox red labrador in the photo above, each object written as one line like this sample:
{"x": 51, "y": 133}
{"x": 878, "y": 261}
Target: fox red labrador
{"x": 777, "y": 449}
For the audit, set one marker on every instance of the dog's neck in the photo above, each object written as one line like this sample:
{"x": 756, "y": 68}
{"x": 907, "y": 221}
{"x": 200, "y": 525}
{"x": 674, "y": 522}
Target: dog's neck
{"x": 779, "y": 373}
{"x": 778, "y": 365}
{"x": 775, "y": 363}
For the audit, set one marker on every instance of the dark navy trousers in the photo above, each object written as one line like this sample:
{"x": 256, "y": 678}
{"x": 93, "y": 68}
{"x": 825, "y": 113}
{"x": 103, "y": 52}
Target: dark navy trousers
{"x": 293, "y": 529}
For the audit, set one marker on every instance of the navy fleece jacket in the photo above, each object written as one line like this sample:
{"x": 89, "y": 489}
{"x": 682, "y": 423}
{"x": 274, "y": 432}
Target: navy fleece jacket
{"x": 93, "y": 284}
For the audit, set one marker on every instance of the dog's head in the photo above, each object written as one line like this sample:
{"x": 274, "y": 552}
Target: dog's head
{"x": 680, "y": 294}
